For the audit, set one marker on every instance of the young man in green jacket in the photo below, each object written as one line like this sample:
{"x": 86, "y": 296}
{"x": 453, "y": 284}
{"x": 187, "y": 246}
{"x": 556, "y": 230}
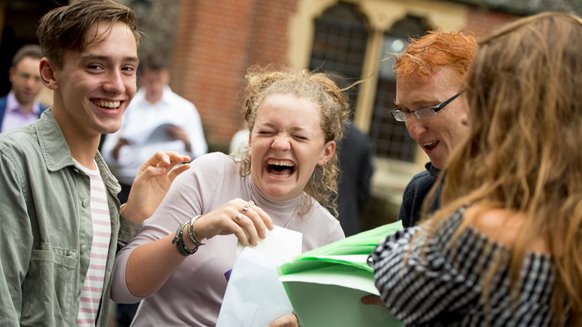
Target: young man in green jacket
{"x": 61, "y": 220}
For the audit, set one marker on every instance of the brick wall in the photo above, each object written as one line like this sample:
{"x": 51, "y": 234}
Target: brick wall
{"x": 271, "y": 31}
{"x": 480, "y": 22}
{"x": 216, "y": 41}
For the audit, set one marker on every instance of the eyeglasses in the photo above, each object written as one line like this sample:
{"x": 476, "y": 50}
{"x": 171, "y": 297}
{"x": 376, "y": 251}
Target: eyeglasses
{"x": 422, "y": 113}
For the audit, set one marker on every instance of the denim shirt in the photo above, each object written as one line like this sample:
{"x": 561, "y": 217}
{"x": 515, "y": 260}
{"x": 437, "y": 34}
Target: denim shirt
{"x": 46, "y": 228}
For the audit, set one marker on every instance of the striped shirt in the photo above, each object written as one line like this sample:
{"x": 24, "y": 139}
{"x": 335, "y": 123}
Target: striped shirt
{"x": 440, "y": 285}
{"x": 93, "y": 285}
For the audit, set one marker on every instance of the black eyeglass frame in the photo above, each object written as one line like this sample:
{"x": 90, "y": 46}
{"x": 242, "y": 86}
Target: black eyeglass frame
{"x": 401, "y": 115}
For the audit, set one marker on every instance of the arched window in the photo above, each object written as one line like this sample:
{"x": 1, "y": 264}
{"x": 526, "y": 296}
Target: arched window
{"x": 339, "y": 45}
{"x": 389, "y": 137}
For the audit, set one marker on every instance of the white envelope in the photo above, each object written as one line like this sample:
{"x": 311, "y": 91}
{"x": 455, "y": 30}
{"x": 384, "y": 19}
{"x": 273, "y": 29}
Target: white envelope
{"x": 255, "y": 296}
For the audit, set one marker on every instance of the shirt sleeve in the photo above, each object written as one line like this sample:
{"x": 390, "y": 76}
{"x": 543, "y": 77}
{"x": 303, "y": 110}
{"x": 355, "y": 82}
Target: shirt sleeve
{"x": 127, "y": 230}
{"x": 417, "y": 280}
{"x": 182, "y": 202}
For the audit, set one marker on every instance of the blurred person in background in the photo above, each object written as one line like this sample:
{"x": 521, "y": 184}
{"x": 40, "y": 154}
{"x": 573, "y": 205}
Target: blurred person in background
{"x": 356, "y": 170}
{"x": 21, "y": 106}
{"x": 157, "y": 119}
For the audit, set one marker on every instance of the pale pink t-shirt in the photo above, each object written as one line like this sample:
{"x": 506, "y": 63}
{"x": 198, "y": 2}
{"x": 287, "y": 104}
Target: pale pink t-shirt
{"x": 193, "y": 294}
{"x": 93, "y": 286}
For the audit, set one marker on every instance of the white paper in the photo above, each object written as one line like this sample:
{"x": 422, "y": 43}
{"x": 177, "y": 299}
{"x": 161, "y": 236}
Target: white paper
{"x": 254, "y": 296}
{"x": 280, "y": 243}
{"x": 160, "y": 134}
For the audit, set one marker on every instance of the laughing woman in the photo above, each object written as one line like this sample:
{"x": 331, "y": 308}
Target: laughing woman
{"x": 287, "y": 177}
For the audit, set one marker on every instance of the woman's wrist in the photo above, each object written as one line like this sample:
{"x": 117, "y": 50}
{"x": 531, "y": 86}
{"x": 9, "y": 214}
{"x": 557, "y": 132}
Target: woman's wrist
{"x": 185, "y": 238}
{"x": 191, "y": 236}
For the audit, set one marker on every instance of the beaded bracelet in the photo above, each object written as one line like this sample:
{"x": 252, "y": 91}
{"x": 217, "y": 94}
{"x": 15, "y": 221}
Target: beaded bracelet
{"x": 182, "y": 248}
{"x": 192, "y": 233}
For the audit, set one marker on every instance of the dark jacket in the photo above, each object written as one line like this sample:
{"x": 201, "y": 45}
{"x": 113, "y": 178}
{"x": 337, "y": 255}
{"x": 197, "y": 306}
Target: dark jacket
{"x": 414, "y": 194}
{"x": 356, "y": 169}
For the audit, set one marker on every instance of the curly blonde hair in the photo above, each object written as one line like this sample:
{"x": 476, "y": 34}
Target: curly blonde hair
{"x": 334, "y": 109}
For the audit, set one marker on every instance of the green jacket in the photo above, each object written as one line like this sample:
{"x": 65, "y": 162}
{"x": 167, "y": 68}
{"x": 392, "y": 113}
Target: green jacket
{"x": 45, "y": 228}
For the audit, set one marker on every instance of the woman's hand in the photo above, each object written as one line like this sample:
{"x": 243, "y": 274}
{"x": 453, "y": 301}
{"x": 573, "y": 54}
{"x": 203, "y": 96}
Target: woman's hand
{"x": 288, "y": 320}
{"x": 152, "y": 182}
{"x": 244, "y": 219}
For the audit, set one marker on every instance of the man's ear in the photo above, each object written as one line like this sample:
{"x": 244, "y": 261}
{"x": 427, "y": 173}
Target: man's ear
{"x": 11, "y": 73}
{"x": 47, "y": 74}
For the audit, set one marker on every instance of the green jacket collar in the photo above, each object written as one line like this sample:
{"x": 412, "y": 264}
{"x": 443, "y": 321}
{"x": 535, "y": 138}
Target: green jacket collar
{"x": 56, "y": 153}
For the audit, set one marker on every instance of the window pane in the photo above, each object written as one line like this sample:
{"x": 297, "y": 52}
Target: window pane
{"x": 339, "y": 45}
{"x": 389, "y": 137}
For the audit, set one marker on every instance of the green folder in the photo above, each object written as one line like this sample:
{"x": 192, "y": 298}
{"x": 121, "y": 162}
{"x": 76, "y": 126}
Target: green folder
{"x": 325, "y": 285}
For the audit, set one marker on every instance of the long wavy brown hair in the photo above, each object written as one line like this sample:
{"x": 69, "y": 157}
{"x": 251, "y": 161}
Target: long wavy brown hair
{"x": 334, "y": 110}
{"x": 523, "y": 152}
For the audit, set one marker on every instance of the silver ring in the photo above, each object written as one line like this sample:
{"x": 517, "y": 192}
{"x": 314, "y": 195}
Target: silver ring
{"x": 248, "y": 206}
